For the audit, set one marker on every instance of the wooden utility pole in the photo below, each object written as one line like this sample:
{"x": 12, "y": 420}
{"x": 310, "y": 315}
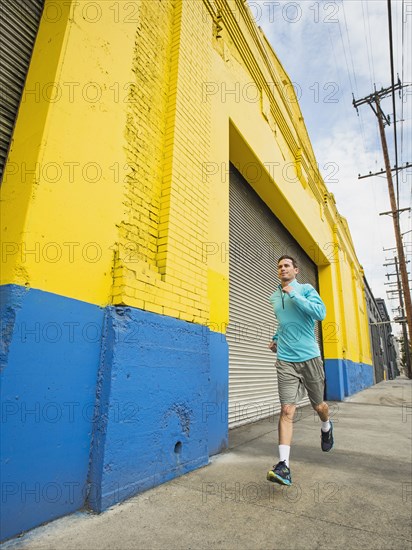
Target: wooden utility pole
{"x": 404, "y": 332}
{"x": 396, "y": 224}
{"x": 403, "y": 319}
{"x": 374, "y": 101}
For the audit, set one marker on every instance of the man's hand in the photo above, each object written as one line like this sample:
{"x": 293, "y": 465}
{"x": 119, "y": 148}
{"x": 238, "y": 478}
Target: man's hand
{"x": 273, "y": 346}
{"x": 287, "y": 289}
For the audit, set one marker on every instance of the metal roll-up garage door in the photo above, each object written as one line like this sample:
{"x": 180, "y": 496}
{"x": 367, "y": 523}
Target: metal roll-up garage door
{"x": 256, "y": 240}
{"x": 19, "y": 23}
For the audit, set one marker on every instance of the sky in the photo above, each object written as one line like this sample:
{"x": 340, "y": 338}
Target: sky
{"x": 331, "y": 50}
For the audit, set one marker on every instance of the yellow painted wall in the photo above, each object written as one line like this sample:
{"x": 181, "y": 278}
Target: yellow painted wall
{"x": 61, "y": 197}
{"x": 185, "y": 88}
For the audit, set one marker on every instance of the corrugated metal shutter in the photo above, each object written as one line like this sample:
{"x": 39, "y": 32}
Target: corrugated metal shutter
{"x": 257, "y": 240}
{"x": 19, "y": 23}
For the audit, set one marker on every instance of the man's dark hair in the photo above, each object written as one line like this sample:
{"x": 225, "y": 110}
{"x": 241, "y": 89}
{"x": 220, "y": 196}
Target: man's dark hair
{"x": 286, "y": 257}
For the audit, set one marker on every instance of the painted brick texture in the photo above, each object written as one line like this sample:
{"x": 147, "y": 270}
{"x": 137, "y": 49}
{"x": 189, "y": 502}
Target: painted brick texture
{"x": 159, "y": 263}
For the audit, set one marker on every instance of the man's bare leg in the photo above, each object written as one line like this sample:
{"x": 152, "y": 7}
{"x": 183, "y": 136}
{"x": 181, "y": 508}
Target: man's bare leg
{"x": 323, "y": 411}
{"x": 281, "y": 472}
{"x": 327, "y": 428}
{"x": 286, "y": 424}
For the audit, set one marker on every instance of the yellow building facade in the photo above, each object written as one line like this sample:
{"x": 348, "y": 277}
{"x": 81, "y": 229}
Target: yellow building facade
{"x": 115, "y": 228}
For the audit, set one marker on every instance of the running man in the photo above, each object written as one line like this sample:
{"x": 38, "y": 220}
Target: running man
{"x": 299, "y": 365}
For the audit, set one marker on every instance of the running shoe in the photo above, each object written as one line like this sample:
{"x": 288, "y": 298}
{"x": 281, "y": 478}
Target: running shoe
{"x": 280, "y": 474}
{"x": 327, "y": 439}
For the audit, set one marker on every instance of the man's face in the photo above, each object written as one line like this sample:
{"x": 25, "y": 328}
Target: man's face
{"x": 286, "y": 270}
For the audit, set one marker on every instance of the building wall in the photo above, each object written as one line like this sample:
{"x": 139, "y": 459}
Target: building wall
{"x": 115, "y": 243}
{"x": 388, "y": 340}
{"x": 376, "y": 336}
{"x": 382, "y": 340}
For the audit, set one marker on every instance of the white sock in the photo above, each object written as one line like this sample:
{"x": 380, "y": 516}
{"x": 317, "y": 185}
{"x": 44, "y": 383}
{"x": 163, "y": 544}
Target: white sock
{"x": 325, "y": 426}
{"x": 284, "y": 452}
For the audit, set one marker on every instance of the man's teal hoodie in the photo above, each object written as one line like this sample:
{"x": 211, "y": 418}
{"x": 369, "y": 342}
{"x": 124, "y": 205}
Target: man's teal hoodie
{"x": 296, "y": 313}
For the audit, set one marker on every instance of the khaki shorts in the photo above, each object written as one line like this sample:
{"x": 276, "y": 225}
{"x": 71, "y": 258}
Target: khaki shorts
{"x": 295, "y": 378}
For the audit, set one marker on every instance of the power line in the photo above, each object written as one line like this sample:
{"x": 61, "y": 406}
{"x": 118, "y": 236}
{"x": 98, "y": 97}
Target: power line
{"x": 352, "y": 87}
{"x": 370, "y": 39}
{"x": 369, "y": 51}
{"x": 371, "y": 71}
{"x": 393, "y": 95}
{"x": 402, "y": 73}
{"x": 336, "y": 65}
{"x": 350, "y": 48}
{"x": 352, "y": 80}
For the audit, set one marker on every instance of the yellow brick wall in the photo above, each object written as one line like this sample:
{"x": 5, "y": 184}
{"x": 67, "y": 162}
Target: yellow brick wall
{"x": 135, "y": 274}
{"x": 168, "y": 138}
{"x": 145, "y": 130}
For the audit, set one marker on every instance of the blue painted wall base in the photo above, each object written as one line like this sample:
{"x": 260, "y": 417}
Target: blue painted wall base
{"x": 215, "y": 410}
{"x": 154, "y": 385}
{"x": 100, "y": 404}
{"x": 49, "y": 361}
{"x": 344, "y": 378}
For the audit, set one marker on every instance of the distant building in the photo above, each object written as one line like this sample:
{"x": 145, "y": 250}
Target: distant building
{"x": 382, "y": 340}
{"x": 389, "y": 340}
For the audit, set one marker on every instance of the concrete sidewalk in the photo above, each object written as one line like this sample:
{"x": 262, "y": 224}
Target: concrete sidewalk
{"x": 357, "y": 496}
